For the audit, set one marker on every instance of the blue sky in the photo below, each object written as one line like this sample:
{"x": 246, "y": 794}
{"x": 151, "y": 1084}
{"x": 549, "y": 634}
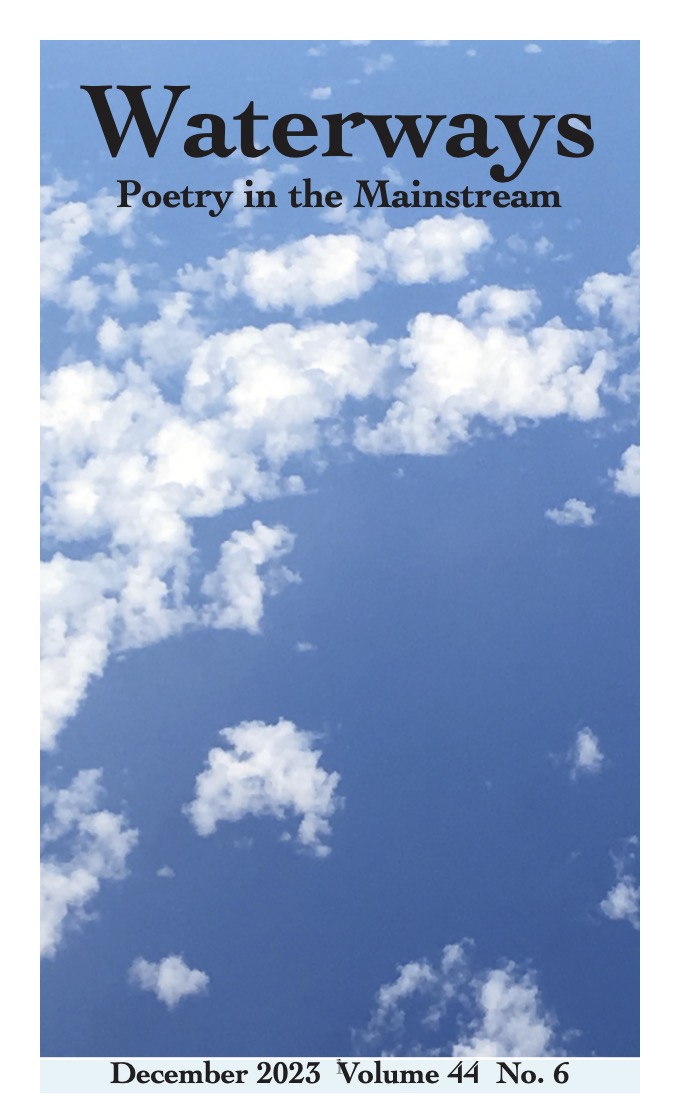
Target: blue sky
{"x": 362, "y": 492}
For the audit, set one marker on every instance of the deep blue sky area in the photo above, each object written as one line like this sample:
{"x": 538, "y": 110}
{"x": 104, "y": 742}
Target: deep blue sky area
{"x": 457, "y": 642}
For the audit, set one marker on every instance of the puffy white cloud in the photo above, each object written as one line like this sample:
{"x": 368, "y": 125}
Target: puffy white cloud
{"x": 533, "y": 48}
{"x": 434, "y": 249}
{"x": 627, "y": 476}
{"x": 585, "y": 755}
{"x": 165, "y": 872}
{"x": 65, "y": 225}
{"x": 510, "y": 1017}
{"x": 99, "y": 843}
{"x": 235, "y": 588}
{"x": 267, "y": 770}
{"x": 618, "y": 293}
{"x": 622, "y": 902}
{"x": 573, "y": 512}
{"x": 483, "y": 1013}
{"x": 170, "y": 979}
{"x": 318, "y": 271}
{"x": 321, "y": 93}
{"x": 493, "y": 306}
{"x": 487, "y": 369}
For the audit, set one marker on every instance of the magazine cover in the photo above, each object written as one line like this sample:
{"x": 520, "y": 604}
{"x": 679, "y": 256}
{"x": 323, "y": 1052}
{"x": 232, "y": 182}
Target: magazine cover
{"x": 340, "y": 571}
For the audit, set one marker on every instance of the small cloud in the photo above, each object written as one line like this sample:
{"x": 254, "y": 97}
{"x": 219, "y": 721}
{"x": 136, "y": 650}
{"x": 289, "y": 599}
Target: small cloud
{"x": 533, "y": 48}
{"x": 573, "y": 512}
{"x": 379, "y": 64}
{"x": 622, "y": 903}
{"x": 471, "y": 52}
{"x": 317, "y": 52}
{"x": 432, "y": 42}
{"x": 355, "y": 42}
{"x": 304, "y": 647}
{"x": 392, "y": 173}
{"x": 627, "y": 476}
{"x": 321, "y": 93}
{"x": 585, "y": 755}
{"x": 170, "y": 979}
{"x": 165, "y": 872}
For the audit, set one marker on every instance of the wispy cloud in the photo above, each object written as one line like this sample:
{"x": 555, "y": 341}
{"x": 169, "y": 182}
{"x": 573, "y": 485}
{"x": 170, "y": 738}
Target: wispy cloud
{"x": 448, "y": 1007}
{"x": 622, "y": 902}
{"x": 98, "y": 844}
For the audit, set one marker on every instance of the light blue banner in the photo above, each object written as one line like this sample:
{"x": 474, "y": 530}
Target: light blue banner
{"x": 344, "y": 1075}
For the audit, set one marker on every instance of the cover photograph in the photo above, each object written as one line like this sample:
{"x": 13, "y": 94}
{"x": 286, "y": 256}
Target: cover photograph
{"x": 340, "y": 468}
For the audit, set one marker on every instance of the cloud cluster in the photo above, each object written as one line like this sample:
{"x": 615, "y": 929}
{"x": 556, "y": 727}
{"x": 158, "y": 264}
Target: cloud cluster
{"x": 573, "y": 512}
{"x": 65, "y": 225}
{"x": 97, "y": 844}
{"x": 451, "y": 1008}
{"x": 267, "y": 770}
{"x": 319, "y": 271}
{"x": 175, "y": 423}
{"x": 170, "y": 979}
{"x": 134, "y": 597}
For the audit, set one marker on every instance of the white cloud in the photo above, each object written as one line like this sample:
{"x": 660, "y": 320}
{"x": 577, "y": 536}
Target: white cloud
{"x": 99, "y": 843}
{"x": 65, "y": 226}
{"x": 304, "y": 647}
{"x": 129, "y": 465}
{"x": 321, "y": 93}
{"x": 378, "y": 64}
{"x": 619, "y": 294}
{"x": 585, "y": 756}
{"x": 490, "y": 368}
{"x": 94, "y": 607}
{"x": 434, "y": 249}
{"x": 319, "y": 271}
{"x": 170, "y": 979}
{"x": 165, "y": 872}
{"x": 533, "y": 48}
{"x": 236, "y": 589}
{"x": 573, "y": 512}
{"x": 627, "y": 476}
{"x": 268, "y": 770}
{"x": 493, "y": 306}
{"x": 449, "y": 1008}
{"x": 126, "y": 471}
{"x": 622, "y": 903}
{"x": 432, "y": 42}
